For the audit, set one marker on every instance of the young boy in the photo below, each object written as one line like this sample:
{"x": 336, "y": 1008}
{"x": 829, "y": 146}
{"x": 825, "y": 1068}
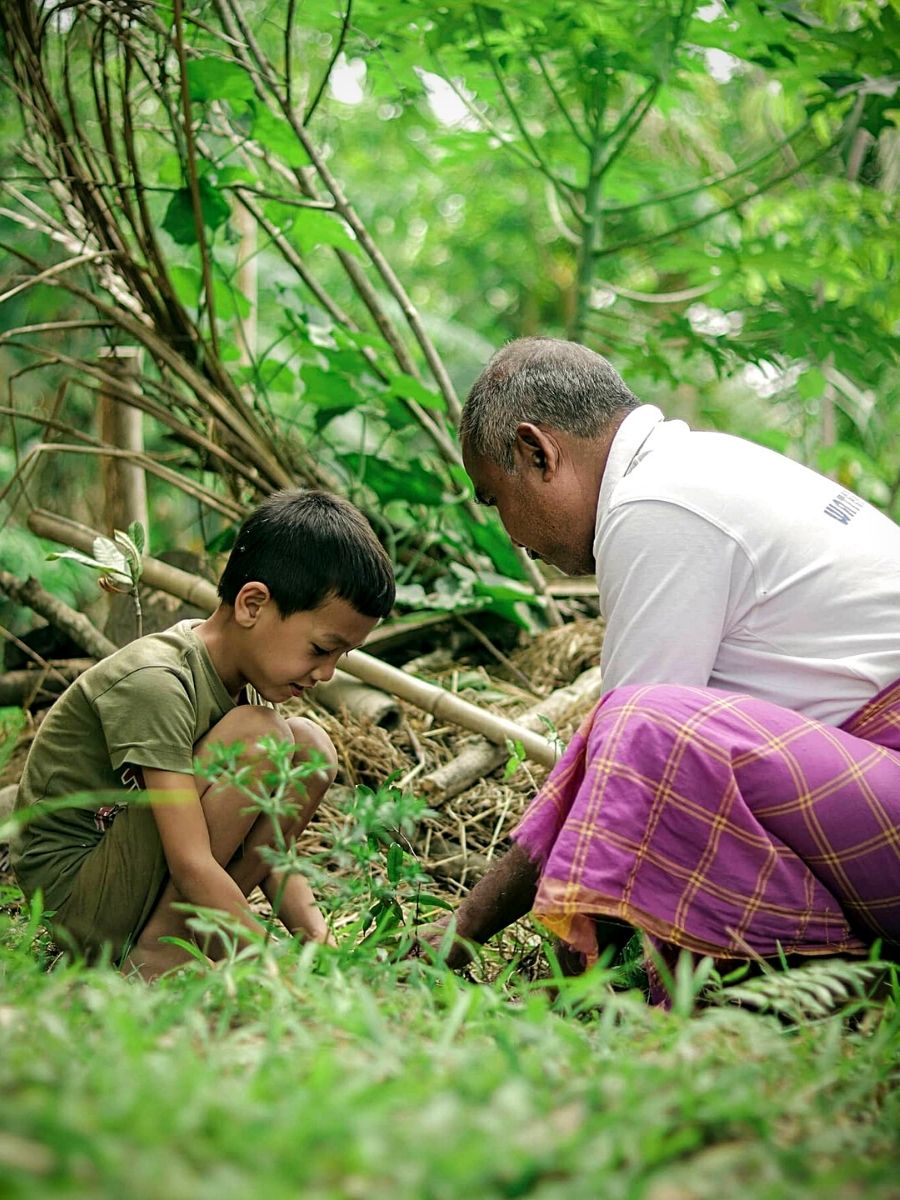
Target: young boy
{"x": 305, "y": 582}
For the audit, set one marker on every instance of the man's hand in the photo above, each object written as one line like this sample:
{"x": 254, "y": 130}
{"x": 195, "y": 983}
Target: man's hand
{"x": 501, "y": 896}
{"x": 438, "y": 940}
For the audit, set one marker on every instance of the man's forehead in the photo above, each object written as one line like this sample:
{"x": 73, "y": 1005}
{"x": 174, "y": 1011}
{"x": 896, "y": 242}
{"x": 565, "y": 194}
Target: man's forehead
{"x": 480, "y": 470}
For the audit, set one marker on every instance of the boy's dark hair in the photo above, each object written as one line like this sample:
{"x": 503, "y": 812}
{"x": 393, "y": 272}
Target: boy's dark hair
{"x": 306, "y": 547}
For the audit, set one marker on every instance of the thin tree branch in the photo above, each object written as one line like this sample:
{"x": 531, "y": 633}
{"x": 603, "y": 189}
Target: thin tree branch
{"x": 674, "y": 230}
{"x": 342, "y": 37}
{"x": 227, "y": 508}
{"x": 231, "y": 12}
{"x": 558, "y": 100}
{"x": 629, "y": 124}
{"x": 560, "y": 187}
{"x": 31, "y": 595}
{"x": 50, "y": 273}
{"x": 193, "y": 179}
{"x": 288, "y": 55}
{"x": 710, "y": 182}
{"x": 510, "y": 104}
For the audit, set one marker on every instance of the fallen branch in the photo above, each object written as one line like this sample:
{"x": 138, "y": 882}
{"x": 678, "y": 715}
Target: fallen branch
{"x": 474, "y": 762}
{"x": 30, "y": 594}
{"x": 426, "y": 696}
{"x": 20, "y": 688}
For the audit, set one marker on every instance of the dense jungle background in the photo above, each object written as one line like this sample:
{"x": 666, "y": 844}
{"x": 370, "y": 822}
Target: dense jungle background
{"x": 249, "y": 244}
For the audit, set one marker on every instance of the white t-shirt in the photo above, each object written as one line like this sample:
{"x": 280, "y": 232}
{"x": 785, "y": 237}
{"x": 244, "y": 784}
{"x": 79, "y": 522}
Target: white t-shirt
{"x": 722, "y": 563}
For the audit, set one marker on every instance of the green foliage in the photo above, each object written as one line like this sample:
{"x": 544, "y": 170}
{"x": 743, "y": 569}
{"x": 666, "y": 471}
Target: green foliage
{"x": 26, "y": 556}
{"x": 815, "y": 990}
{"x": 325, "y": 1074}
{"x": 367, "y": 873}
{"x": 705, "y": 193}
{"x": 12, "y": 722}
{"x": 118, "y": 561}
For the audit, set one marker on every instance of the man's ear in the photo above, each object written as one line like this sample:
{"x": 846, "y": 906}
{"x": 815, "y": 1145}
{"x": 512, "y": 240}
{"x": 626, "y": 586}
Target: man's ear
{"x": 536, "y": 449}
{"x": 249, "y": 603}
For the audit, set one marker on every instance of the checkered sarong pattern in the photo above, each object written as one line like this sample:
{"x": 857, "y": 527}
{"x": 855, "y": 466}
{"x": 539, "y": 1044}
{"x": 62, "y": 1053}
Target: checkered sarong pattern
{"x": 723, "y": 825}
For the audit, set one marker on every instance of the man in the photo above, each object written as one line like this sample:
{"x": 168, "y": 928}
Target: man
{"x": 737, "y": 790}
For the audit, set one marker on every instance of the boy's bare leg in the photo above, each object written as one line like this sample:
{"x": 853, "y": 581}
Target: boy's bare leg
{"x": 236, "y": 835}
{"x": 291, "y": 893}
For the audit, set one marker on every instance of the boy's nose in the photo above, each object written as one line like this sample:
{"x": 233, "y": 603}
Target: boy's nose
{"x": 324, "y": 672}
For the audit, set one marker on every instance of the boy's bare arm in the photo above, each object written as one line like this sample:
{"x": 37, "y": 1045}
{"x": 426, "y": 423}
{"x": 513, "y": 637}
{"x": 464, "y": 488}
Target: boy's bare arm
{"x": 184, "y": 834}
{"x": 293, "y": 902}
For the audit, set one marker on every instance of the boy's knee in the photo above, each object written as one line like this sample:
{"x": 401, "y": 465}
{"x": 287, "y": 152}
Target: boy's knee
{"x": 310, "y": 737}
{"x": 248, "y": 725}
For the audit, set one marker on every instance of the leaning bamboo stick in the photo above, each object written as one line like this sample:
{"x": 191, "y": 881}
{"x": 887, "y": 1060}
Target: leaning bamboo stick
{"x": 441, "y": 704}
{"x": 474, "y": 762}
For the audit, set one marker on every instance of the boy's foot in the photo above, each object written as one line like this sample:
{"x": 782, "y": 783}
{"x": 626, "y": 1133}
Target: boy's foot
{"x": 149, "y": 962}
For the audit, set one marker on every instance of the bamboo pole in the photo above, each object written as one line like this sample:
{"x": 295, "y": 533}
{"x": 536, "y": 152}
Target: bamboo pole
{"x": 367, "y": 703}
{"x": 474, "y": 762}
{"x": 441, "y": 704}
{"x": 121, "y": 425}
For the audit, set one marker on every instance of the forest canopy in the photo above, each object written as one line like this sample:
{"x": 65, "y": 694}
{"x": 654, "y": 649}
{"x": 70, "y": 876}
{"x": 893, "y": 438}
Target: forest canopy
{"x": 291, "y": 235}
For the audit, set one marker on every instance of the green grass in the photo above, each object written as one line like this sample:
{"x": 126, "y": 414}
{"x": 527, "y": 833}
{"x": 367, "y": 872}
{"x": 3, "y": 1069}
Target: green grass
{"x": 302, "y": 1073}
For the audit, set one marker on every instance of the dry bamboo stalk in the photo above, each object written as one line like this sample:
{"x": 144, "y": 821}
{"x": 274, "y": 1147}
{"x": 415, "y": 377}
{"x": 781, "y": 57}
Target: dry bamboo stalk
{"x": 443, "y": 705}
{"x": 474, "y": 762}
{"x": 447, "y": 707}
{"x": 121, "y": 425}
{"x": 190, "y": 588}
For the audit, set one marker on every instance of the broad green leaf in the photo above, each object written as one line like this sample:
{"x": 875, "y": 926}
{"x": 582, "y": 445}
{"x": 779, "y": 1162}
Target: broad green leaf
{"x": 218, "y": 79}
{"x": 395, "y": 863}
{"x": 314, "y": 227}
{"x": 409, "y": 387}
{"x": 137, "y": 535}
{"x": 130, "y": 550}
{"x": 415, "y": 484}
{"x": 274, "y": 134}
{"x": 187, "y": 283}
{"x": 76, "y": 556}
{"x": 179, "y": 219}
{"x": 811, "y": 384}
{"x": 113, "y": 557}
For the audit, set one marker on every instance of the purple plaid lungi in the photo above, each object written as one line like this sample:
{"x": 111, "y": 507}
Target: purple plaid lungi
{"x": 723, "y": 825}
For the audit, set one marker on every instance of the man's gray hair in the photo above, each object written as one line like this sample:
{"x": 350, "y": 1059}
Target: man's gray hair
{"x": 545, "y": 381}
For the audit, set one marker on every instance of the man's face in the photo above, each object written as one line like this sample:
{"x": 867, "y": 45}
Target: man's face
{"x": 542, "y": 505}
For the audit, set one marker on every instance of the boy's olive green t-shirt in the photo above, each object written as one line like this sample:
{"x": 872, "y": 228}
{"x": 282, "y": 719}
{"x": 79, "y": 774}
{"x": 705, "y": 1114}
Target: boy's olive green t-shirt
{"x": 146, "y": 705}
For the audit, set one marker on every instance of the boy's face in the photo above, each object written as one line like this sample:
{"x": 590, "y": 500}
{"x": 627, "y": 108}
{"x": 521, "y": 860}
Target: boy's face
{"x": 283, "y": 656}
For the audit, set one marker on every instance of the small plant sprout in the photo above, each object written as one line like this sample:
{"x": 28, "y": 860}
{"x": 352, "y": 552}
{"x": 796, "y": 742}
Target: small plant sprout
{"x": 119, "y": 562}
{"x": 517, "y": 756}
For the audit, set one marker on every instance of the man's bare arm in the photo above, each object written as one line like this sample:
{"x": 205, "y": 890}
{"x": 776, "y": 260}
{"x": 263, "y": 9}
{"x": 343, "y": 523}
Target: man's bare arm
{"x": 500, "y": 897}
